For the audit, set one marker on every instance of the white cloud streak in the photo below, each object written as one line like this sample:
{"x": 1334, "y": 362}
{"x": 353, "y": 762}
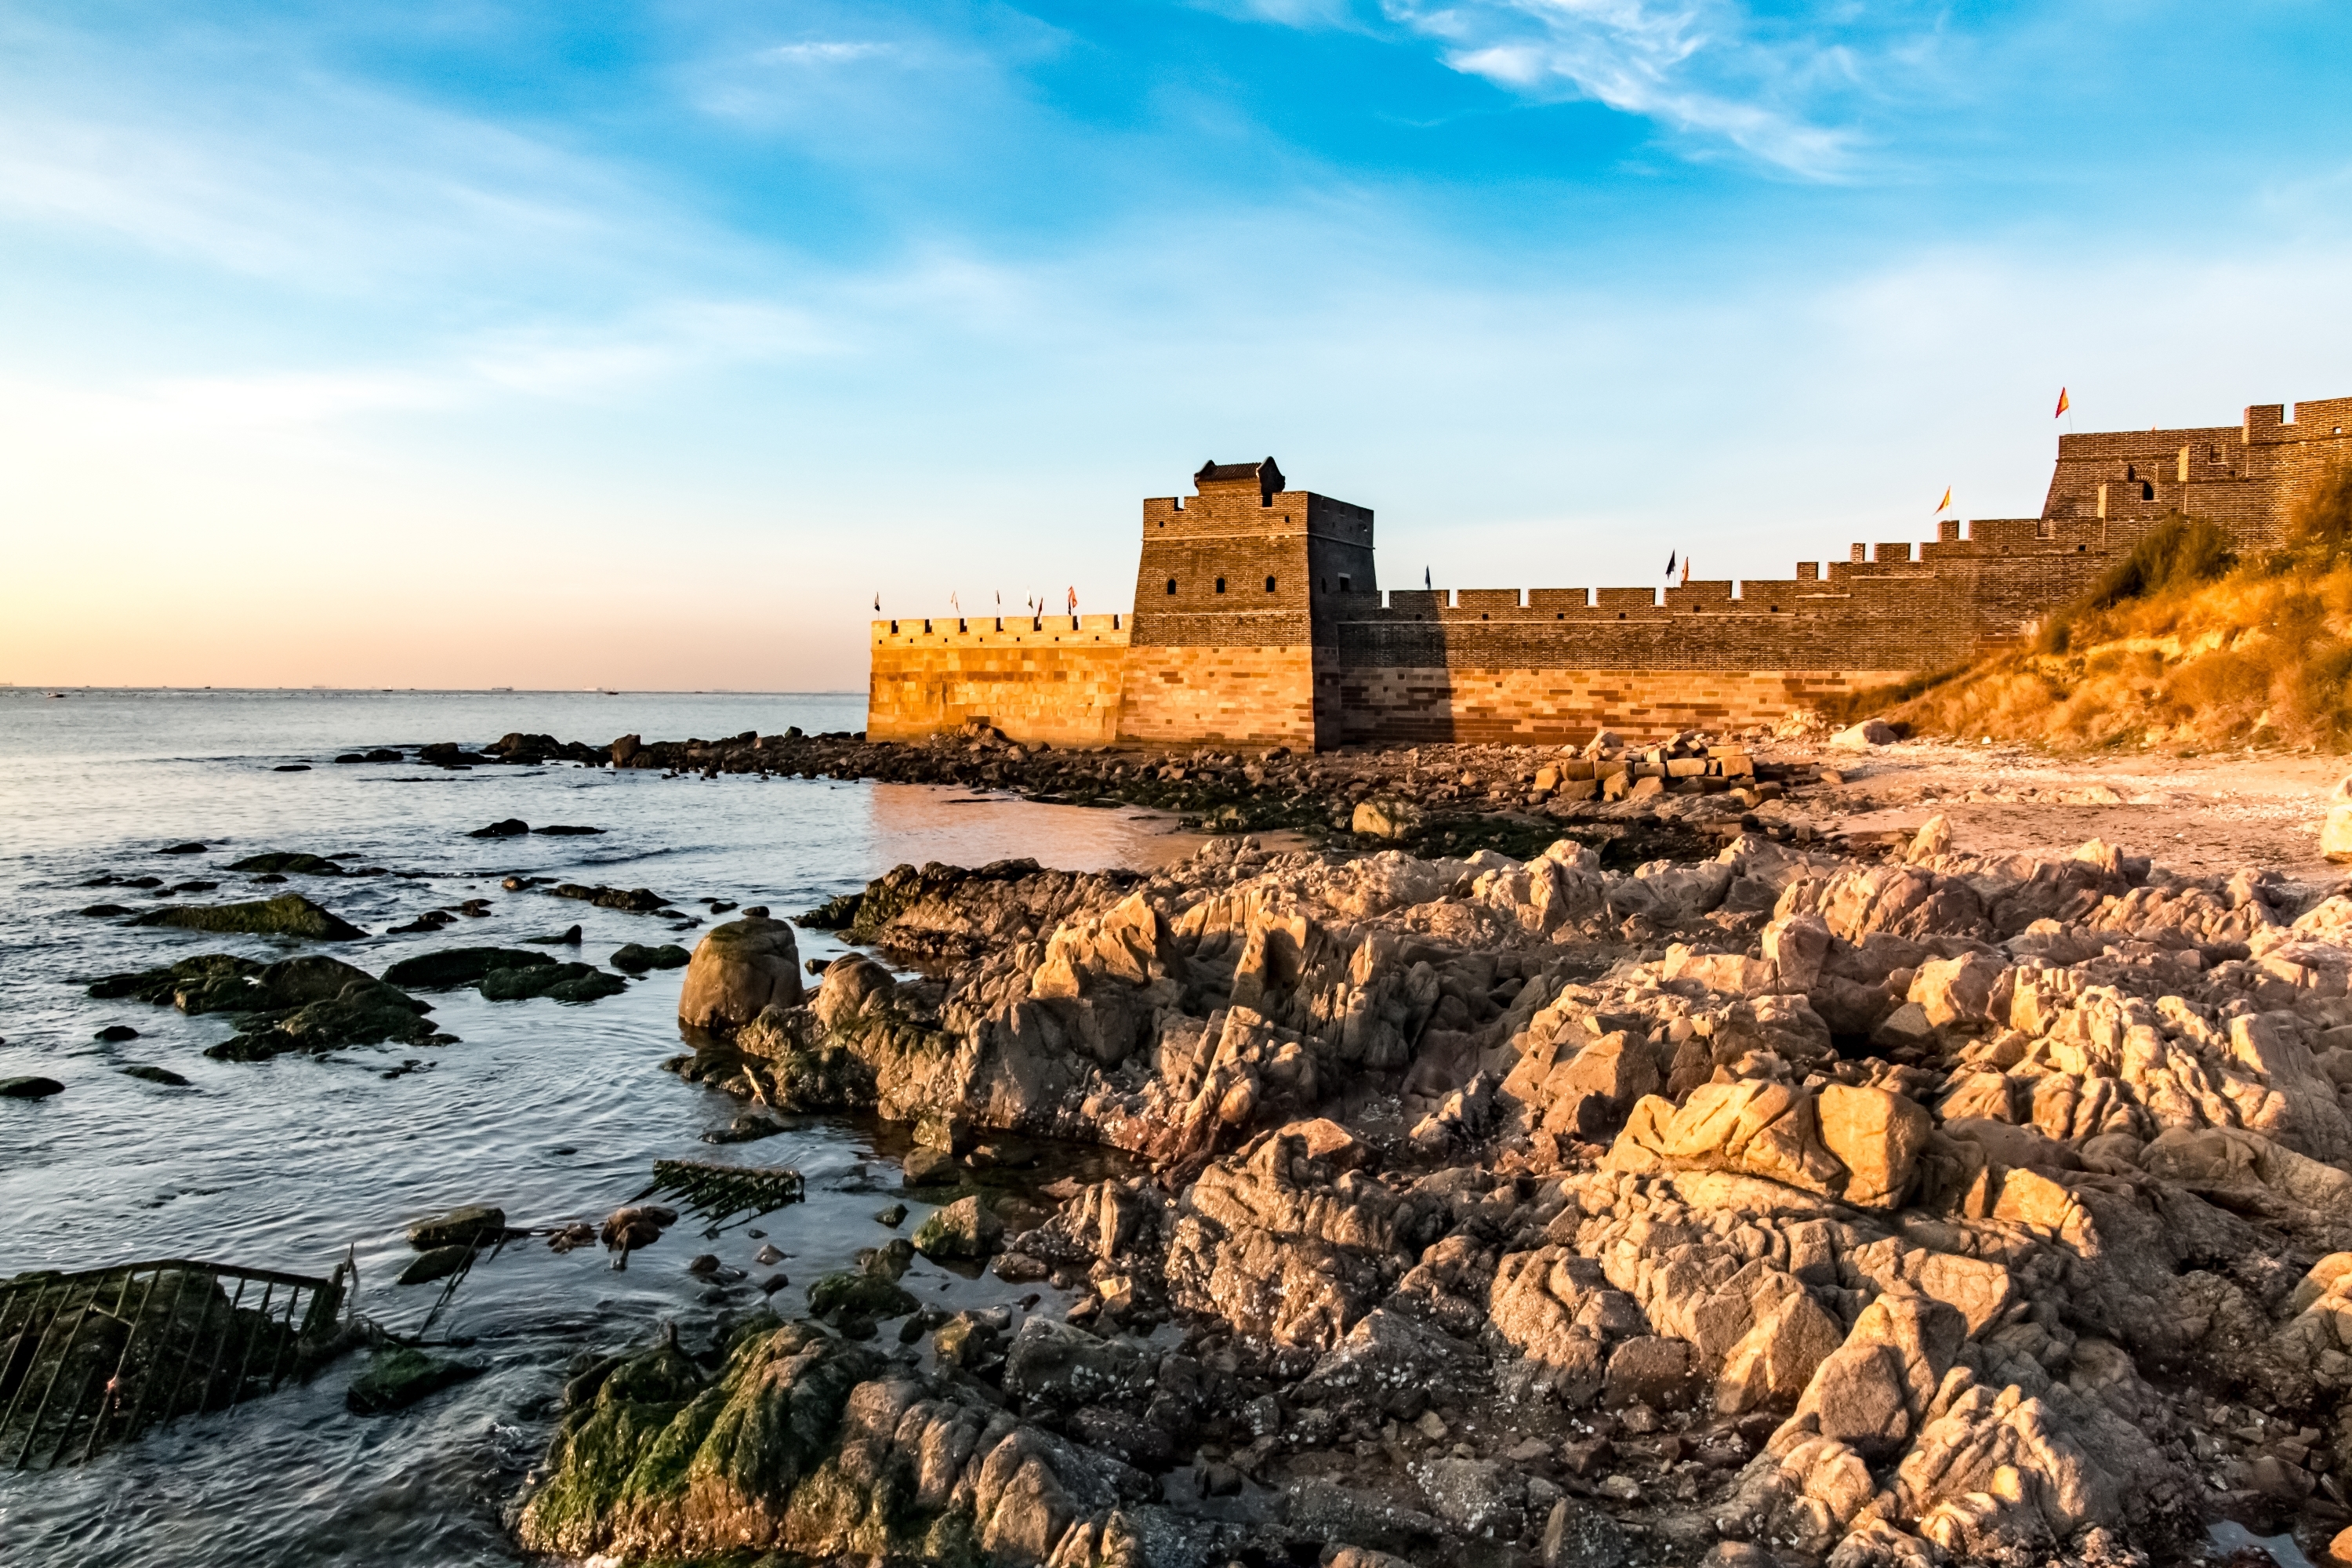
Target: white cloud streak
{"x": 1694, "y": 67}
{"x": 1700, "y": 69}
{"x": 826, "y": 52}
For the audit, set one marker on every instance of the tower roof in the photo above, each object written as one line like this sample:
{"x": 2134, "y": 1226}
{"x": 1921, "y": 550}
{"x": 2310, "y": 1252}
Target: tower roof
{"x": 1267, "y": 474}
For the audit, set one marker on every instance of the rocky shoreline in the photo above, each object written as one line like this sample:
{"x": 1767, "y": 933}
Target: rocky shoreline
{"x": 1679, "y": 797}
{"x": 1799, "y": 1203}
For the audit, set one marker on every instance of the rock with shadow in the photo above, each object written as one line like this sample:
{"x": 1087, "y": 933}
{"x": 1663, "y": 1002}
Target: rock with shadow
{"x": 289, "y": 914}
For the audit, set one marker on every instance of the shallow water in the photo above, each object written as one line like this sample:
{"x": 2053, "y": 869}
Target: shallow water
{"x": 553, "y": 1113}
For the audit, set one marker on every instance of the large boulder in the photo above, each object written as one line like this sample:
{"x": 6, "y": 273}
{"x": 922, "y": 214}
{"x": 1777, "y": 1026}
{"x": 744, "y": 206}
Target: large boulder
{"x": 1965, "y": 990}
{"x": 1877, "y": 1136}
{"x": 737, "y": 969}
{"x": 850, "y": 984}
{"x": 965, "y": 1229}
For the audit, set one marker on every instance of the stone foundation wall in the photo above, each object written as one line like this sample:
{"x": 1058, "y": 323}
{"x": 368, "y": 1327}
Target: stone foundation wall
{"x": 1427, "y": 704}
{"x": 1253, "y": 696}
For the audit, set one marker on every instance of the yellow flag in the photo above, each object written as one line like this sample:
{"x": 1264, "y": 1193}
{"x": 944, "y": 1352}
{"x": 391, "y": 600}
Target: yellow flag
{"x": 2063, "y": 403}
{"x": 1946, "y": 504}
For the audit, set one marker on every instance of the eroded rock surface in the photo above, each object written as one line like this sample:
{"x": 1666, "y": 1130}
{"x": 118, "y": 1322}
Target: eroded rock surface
{"x": 1916, "y": 1207}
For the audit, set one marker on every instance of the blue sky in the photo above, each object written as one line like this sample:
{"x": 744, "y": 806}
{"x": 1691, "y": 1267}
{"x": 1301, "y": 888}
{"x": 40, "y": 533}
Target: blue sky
{"x": 469, "y": 342}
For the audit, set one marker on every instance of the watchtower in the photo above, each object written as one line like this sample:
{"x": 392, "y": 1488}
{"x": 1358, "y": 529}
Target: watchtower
{"x": 1236, "y": 590}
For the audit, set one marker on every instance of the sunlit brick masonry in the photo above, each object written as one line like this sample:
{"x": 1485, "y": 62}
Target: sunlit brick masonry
{"x": 1258, "y": 617}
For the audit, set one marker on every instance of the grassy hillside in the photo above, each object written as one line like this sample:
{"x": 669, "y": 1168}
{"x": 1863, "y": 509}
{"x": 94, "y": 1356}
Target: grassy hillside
{"x": 2180, "y": 645}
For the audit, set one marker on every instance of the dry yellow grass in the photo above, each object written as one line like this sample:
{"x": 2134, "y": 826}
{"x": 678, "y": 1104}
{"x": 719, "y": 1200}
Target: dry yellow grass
{"x": 2245, "y": 661}
{"x": 2177, "y": 647}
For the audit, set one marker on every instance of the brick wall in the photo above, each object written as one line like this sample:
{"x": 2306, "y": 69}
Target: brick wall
{"x": 2246, "y": 476}
{"x": 1052, "y": 678}
{"x": 1404, "y": 705}
{"x": 1252, "y": 696}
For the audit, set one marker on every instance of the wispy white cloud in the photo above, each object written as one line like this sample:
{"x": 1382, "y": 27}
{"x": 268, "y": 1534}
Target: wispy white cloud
{"x": 822, "y": 53}
{"x": 1704, "y": 70}
{"x": 1696, "y": 67}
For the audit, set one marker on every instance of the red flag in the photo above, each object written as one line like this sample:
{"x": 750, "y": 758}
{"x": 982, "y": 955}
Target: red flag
{"x": 2063, "y": 403}
{"x": 1074, "y": 601}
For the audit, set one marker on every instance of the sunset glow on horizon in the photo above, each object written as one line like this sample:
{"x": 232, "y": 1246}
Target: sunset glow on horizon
{"x": 473, "y": 345}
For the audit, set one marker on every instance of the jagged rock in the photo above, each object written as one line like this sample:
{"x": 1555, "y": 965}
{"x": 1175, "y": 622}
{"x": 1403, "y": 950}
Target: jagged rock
{"x": 1385, "y": 819}
{"x": 1649, "y": 1369}
{"x": 1066, "y": 1366}
{"x": 1964, "y": 990}
{"x": 1762, "y": 1127}
{"x": 1878, "y": 1137}
{"x": 1669, "y": 894}
{"x": 1386, "y": 1354}
{"x": 1874, "y": 1392}
{"x": 2226, "y": 1161}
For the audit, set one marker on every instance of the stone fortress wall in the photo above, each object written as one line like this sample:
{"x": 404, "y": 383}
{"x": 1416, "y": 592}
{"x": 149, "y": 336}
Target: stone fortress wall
{"x": 1259, "y": 619}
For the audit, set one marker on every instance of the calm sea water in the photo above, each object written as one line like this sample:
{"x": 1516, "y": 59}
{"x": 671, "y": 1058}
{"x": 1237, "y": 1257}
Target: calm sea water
{"x": 553, "y": 1113}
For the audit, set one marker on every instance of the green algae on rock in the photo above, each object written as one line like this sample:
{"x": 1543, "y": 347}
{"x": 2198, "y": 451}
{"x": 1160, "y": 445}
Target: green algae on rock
{"x": 858, "y": 1292}
{"x": 399, "y": 1377}
{"x": 965, "y": 1231}
{"x": 289, "y": 914}
{"x": 807, "y": 1443}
